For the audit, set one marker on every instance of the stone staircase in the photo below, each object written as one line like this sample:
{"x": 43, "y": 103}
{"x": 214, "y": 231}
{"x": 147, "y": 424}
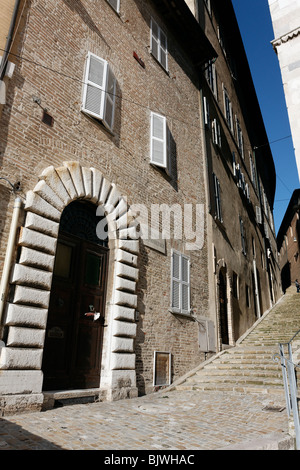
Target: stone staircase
{"x": 249, "y": 366}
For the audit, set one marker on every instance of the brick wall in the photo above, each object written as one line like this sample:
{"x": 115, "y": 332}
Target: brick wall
{"x": 56, "y": 39}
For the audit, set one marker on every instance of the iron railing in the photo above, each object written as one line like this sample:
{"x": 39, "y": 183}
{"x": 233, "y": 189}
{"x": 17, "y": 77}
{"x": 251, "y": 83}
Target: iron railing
{"x": 289, "y": 375}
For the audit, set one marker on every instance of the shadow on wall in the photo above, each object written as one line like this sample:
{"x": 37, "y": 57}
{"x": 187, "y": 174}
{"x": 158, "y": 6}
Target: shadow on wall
{"x": 140, "y": 335}
{"x": 77, "y": 7}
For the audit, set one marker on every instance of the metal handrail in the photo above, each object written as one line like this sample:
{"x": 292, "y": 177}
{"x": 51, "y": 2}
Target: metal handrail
{"x": 290, "y": 384}
{"x": 292, "y": 339}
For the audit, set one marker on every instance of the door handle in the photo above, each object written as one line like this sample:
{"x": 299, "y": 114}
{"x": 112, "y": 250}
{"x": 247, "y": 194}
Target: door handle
{"x": 92, "y": 313}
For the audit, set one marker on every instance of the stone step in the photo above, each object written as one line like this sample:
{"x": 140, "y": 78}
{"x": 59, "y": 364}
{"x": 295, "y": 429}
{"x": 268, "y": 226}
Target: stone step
{"x": 234, "y": 388}
{"x": 237, "y": 372}
{"x": 249, "y": 367}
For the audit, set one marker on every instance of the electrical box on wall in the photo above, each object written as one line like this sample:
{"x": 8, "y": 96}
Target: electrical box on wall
{"x": 206, "y": 335}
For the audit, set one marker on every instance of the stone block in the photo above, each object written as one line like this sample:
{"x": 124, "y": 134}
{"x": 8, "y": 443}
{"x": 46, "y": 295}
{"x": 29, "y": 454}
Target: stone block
{"x": 122, "y": 344}
{"x": 41, "y": 224}
{"x": 29, "y": 296}
{"x": 20, "y": 358}
{"x": 28, "y": 276}
{"x": 25, "y": 337}
{"x": 125, "y": 284}
{"x": 122, "y": 328}
{"x": 123, "y": 313}
{"x": 67, "y": 181}
{"x": 76, "y": 175}
{"x": 36, "y": 204}
{"x": 26, "y": 316}
{"x": 20, "y": 381}
{"x": 36, "y": 259}
{"x": 123, "y": 378}
{"x": 105, "y": 188}
{"x": 54, "y": 181}
{"x": 127, "y": 258}
{"x": 132, "y": 246}
{"x": 123, "y": 270}
{"x": 40, "y": 241}
{"x": 47, "y": 193}
{"x": 87, "y": 182}
{"x": 121, "y": 361}
{"x": 96, "y": 184}
{"x": 123, "y": 298}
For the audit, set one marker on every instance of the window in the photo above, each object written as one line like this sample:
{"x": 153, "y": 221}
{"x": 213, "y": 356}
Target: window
{"x": 247, "y": 296}
{"x": 228, "y": 109}
{"x": 235, "y": 285}
{"x": 159, "y": 154}
{"x": 159, "y": 46}
{"x": 234, "y": 165}
{"x": 240, "y": 140}
{"x": 206, "y": 112}
{"x": 211, "y": 77}
{"x": 258, "y": 215}
{"x": 218, "y": 211}
{"x": 180, "y": 288}
{"x": 243, "y": 238}
{"x": 253, "y": 171}
{"x": 216, "y": 133}
{"x": 115, "y": 4}
{"x": 99, "y": 90}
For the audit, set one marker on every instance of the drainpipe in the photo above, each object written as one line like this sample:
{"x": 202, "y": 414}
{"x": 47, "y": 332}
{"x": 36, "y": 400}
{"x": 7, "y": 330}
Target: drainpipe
{"x": 9, "y": 255}
{"x": 9, "y": 40}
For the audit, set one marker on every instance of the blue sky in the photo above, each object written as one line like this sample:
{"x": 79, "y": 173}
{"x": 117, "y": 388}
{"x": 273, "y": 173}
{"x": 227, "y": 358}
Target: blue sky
{"x": 255, "y": 24}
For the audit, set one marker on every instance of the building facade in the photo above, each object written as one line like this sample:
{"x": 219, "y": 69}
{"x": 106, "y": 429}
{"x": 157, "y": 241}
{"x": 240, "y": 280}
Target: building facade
{"x": 130, "y": 248}
{"x": 286, "y": 25}
{"x": 243, "y": 262}
{"x": 288, "y": 243}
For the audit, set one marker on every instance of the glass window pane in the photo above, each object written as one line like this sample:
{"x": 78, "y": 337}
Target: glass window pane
{"x": 92, "y": 270}
{"x": 63, "y": 260}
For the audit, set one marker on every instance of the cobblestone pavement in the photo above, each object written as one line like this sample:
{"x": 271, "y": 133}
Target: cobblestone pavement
{"x": 176, "y": 420}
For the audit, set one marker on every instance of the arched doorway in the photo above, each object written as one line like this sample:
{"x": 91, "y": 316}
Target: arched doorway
{"x": 74, "y": 332}
{"x": 223, "y": 308}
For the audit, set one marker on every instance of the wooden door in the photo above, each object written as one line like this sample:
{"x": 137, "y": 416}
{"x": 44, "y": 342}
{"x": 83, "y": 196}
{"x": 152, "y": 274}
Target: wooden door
{"x": 73, "y": 344}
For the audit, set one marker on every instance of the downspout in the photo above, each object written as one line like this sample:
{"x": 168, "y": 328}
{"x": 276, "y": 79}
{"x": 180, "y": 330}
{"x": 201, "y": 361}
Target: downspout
{"x": 9, "y": 256}
{"x": 9, "y": 40}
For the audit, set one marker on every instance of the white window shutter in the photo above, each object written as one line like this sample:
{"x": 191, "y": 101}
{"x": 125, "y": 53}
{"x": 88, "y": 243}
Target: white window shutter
{"x": 158, "y": 144}
{"x": 163, "y": 50}
{"x": 180, "y": 288}
{"x": 154, "y": 39}
{"x": 206, "y": 111}
{"x": 258, "y": 215}
{"x": 216, "y": 130}
{"x": 175, "y": 281}
{"x": 109, "y": 112}
{"x": 94, "y": 86}
{"x": 185, "y": 285}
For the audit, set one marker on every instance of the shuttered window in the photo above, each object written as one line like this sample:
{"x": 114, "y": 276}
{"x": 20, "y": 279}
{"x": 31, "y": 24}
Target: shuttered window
{"x": 159, "y": 141}
{"x": 243, "y": 238}
{"x": 227, "y": 109}
{"x": 159, "y": 44}
{"x": 99, "y": 90}
{"x": 180, "y": 288}
{"x": 217, "y": 194}
{"x": 206, "y": 112}
{"x": 216, "y": 133}
{"x": 240, "y": 139}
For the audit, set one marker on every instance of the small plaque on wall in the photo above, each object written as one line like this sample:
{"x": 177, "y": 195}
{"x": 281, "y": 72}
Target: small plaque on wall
{"x": 162, "y": 368}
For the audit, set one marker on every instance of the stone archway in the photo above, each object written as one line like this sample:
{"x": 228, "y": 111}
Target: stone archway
{"x": 26, "y": 316}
